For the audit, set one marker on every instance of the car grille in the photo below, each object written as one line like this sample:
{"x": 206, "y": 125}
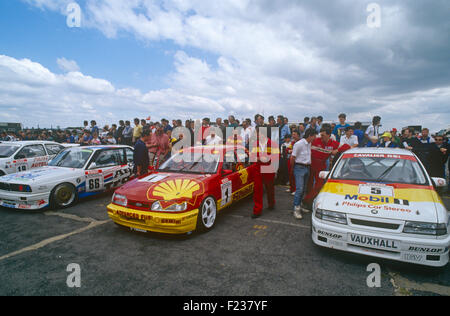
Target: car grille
{"x": 4, "y": 186}
{"x": 14, "y": 187}
{"x": 139, "y": 205}
{"x": 360, "y": 222}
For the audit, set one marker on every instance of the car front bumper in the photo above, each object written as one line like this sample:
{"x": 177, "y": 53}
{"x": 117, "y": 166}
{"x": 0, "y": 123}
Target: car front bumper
{"x": 21, "y": 201}
{"x": 399, "y": 247}
{"x": 167, "y": 223}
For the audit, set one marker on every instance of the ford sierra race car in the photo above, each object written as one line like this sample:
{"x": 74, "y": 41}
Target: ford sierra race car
{"x": 74, "y": 173}
{"x": 26, "y": 155}
{"x": 381, "y": 202}
{"x": 186, "y": 193}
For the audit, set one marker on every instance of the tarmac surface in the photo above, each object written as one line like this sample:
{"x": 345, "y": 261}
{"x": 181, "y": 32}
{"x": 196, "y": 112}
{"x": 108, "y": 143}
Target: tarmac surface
{"x": 269, "y": 256}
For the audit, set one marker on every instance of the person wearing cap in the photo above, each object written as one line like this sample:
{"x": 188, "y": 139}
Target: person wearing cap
{"x": 396, "y": 138}
{"x": 386, "y": 141}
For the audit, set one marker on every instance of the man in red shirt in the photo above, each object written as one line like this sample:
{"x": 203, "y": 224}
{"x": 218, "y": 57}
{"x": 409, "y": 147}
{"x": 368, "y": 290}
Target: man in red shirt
{"x": 321, "y": 150}
{"x": 265, "y": 154}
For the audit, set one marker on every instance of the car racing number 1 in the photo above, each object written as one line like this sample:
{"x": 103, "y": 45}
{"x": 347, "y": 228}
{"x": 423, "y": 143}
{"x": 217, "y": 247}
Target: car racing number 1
{"x": 227, "y": 193}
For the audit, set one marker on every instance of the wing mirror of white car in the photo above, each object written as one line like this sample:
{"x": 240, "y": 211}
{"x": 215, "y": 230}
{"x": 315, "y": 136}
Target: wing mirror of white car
{"x": 324, "y": 175}
{"x": 439, "y": 182}
{"x": 93, "y": 166}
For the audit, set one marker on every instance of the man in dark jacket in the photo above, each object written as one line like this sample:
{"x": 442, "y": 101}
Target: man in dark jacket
{"x": 441, "y": 157}
{"x": 140, "y": 155}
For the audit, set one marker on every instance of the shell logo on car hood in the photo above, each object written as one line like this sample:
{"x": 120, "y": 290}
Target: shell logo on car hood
{"x": 175, "y": 190}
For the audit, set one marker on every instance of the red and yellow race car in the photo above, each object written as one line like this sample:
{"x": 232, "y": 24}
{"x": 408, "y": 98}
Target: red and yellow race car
{"x": 187, "y": 192}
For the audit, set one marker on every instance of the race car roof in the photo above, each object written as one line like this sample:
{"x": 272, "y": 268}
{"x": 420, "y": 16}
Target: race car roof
{"x": 97, "y": 147}
{"x": 30, "y": 142}
{"x": 387, "y": 151}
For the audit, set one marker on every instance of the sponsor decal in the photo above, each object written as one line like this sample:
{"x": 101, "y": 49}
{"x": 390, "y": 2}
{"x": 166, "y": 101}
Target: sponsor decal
{"x": 244, "y": 192}
{"x": 39, "y": 164}
{"x": 376, "y": 208}
{"x": 388, "y": 156}
{"x": 329, "y": 235}
{"x": 176, "y": 189}
{"x": 413, "y": 257}
{"x": 243, "y": 174}
{"x": 426, "y": 249}
{"x": 376, "y": 200}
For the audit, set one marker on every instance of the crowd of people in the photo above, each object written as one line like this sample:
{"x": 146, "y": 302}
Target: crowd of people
{"x": 303, "y": 154}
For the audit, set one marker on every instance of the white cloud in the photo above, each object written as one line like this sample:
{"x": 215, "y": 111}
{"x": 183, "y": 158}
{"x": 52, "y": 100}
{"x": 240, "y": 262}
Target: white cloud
{"x": 277, "y": 57}
{"x": 31, "y": 94}
{"x": 67, "y": 65}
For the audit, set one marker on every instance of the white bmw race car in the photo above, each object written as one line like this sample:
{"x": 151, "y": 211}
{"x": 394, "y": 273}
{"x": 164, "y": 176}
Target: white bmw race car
{"x": 74, "y": 173}
{"x": 26, "y": 155}
{"x": 381, "y": 202}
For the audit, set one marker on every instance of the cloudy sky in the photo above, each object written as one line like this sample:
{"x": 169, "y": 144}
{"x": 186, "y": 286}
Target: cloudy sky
{"x": 196, "y": 58}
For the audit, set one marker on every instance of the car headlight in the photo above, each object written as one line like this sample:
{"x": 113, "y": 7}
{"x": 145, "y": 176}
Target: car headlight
{"x": 120, "y": 199}
{"x": 330, "y": 216}
{"x": 425, "y": 228}
{"x": 173, "y": 208}
{"x": 157, "y": 206}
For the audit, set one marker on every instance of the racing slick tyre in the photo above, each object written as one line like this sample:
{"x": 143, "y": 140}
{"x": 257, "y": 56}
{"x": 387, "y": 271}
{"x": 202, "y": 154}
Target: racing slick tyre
{"x": 63, "y": 195}
{"x": 207, "y": 215}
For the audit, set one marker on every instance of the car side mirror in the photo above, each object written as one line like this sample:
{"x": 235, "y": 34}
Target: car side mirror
{"x": 93, "y": 165}
{"x": 324, "y": 175}
{"x": 439, "y": 182}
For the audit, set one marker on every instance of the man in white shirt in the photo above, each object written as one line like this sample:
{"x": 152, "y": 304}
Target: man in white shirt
{"x": 301, "y": 160}
{"x": 349, "y": 139}
{"x": 246, "y": 132}
{"x": 373, "y": 130}
{"x": 213, "y": 140}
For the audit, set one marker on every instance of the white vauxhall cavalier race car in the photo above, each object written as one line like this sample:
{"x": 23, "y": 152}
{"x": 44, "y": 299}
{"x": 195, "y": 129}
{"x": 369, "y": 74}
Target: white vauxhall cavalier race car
{"x": 382, "y": 203}
{"x": 26, "y": 155}
{"x": 74, "y": 173}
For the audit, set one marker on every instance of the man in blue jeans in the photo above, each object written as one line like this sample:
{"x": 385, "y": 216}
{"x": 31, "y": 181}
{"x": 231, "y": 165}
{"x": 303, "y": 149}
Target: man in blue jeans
{"x": 301, "y": 160}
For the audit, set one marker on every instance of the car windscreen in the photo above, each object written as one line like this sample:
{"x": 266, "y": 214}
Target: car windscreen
{"x": 191, "y": 163}
{"x": 72, "y": 158}
{"x": 8, "y": 150}
{"x": 380, "y": 168}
